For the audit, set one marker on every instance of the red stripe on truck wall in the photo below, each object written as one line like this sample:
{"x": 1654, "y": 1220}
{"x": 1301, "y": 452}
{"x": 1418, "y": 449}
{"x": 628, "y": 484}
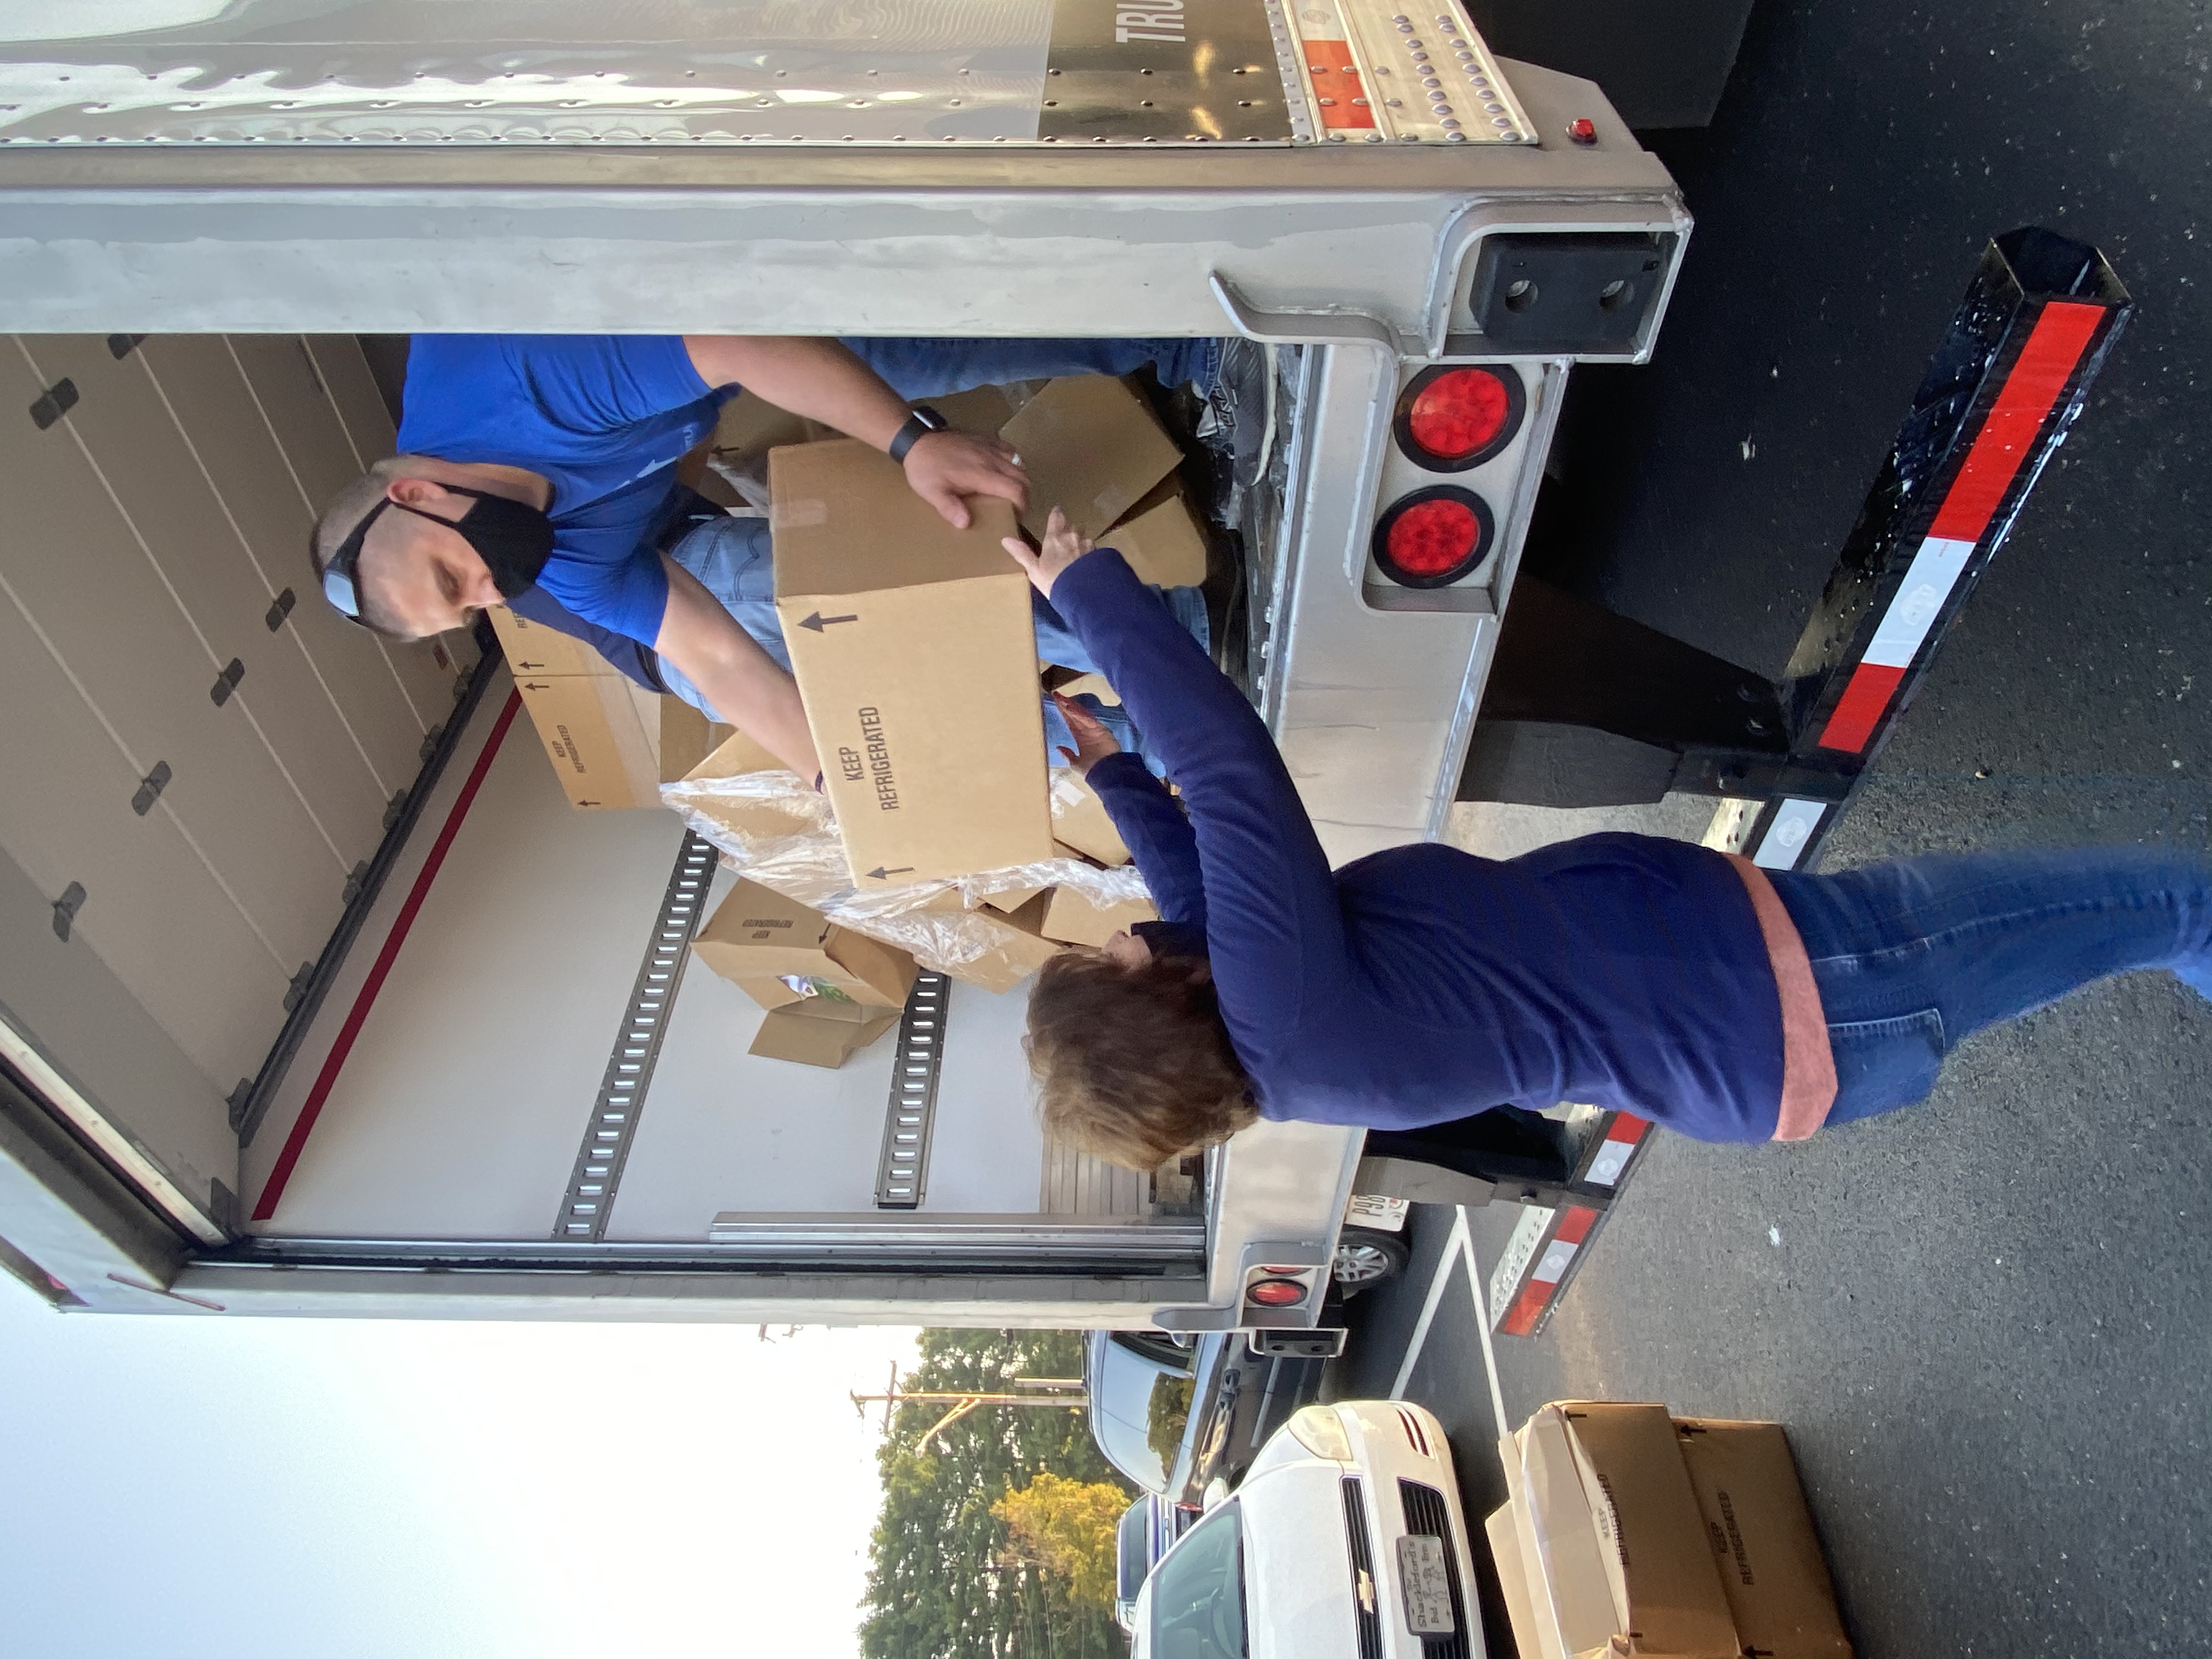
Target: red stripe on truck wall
{"x": 2008, "y": 436}
{"x": 296, "y": 1142}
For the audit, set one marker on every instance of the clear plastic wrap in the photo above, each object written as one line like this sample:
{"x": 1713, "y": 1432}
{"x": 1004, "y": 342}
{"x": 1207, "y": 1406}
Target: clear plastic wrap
{"x": 773, "y": 828}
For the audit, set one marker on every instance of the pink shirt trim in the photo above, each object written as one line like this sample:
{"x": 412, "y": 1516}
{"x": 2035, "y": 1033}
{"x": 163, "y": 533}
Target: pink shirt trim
{"x": 1808, "y": 1065}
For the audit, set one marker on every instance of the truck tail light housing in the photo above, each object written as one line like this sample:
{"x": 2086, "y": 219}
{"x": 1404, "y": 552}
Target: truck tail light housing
{"x": 1457, "y": 416}
{"x": 1276, "y": 1293}
{"x": 1434, "y": 537}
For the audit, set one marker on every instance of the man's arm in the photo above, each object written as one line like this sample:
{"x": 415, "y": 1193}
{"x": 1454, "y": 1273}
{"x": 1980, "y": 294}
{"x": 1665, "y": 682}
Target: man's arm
{"x": 822, "y": 380}
{"x": 741, "y": 680}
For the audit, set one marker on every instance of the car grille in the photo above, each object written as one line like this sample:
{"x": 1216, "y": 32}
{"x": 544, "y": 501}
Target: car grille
{"x": 1367, "y": 1609}
{"x": 1427, "y": 1511}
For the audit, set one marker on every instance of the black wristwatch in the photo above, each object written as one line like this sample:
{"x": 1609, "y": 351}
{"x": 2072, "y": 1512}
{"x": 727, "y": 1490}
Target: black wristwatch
{"x": 921, "y": 421}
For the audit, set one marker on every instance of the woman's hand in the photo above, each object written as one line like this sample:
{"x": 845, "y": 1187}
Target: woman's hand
{"x": 1063, "y": 546}
{"x": 1093, "y": 742}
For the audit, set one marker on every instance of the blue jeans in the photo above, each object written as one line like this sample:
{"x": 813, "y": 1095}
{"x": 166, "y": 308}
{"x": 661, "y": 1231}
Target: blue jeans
{"x": 917, "y": 368}
{"x": 1914, "y": 955}
{"x": 732, "y": 559}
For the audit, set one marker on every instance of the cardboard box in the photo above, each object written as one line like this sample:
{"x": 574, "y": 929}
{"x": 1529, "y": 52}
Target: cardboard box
{"x": 815, "y": 998}
{"x": 1611, "y": 1536}
{"x": 602, "y": 735}
{"x": 1092, "y": 448}
{"x": 1020, "y": 950}
{"x": 985, "y": 409}
{"x": 1513, "y": 1583}
{"x": 1072, "y": 918}
{"x": 1761, "y": 1533}
{"x": 1161, "y": 538}
{"x": 825, "y": 1042}
{"x": 916, "y": 659}
{"x": 1079, "y": 820}
{"x": 757, "y": 933}
{"x": 1008, "y": 901}
{"x": 533, "y": 649}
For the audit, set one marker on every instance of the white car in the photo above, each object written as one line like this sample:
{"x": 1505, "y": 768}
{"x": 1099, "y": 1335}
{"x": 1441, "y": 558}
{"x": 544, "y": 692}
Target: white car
{"x": 1345, "y": 1541}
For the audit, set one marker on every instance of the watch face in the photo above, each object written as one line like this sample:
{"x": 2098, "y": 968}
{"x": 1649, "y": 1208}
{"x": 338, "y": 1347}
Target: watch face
{"x": 929, "y": 418}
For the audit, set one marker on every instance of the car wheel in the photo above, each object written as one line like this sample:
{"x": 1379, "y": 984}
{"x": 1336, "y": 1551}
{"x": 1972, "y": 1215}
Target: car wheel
{"x": 1365, "y": 1257}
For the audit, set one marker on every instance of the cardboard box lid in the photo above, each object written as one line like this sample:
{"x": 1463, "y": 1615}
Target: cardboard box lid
{"x": 1628, "y": 1491}
{"x": 1092, "y": 448}
{"x": 533, "y": 648}
{"x": 1764, "y": 1544}
{"x": 757, "y": 933}
{"x": 847, "y": 524}
{"x": 737, "y": 756}
{"x": 1161, "y": 538}
{"x": 1513, "y": 1584}
{"x": 1073, "y": 918}
{"x": 828, "y": 1043}
{"x": 1019, "y": 948}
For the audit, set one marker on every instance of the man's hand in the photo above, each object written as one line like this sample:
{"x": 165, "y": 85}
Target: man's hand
{"x": 823, "y": 381}
{"x": 1093, "y": 742}
{"x": 944, "y": 467}
{"x": 1063, "y": 545}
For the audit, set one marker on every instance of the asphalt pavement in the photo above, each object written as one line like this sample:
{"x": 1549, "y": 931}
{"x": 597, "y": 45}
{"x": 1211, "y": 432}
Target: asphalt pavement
{"x": 1987, "y": 1319}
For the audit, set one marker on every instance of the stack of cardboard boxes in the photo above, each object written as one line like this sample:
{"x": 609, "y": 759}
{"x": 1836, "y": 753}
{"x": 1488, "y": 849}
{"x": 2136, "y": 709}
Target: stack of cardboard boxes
{"x": 915, "y": 657}
{"x": 612, "y": 743}
{"x": 1628, "y": 1531}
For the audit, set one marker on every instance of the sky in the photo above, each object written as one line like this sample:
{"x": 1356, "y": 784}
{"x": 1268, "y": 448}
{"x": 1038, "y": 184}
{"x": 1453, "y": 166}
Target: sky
{"x": 242, "y": 1488}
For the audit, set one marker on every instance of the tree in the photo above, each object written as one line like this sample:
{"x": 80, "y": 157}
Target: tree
{"x": 944, "y": 1581}
{"x": 1066, "y": 1526}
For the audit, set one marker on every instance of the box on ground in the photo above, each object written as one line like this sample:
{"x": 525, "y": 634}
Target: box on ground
{"x": 1073, "y": 918}
{"x": 915, "y": 657}
{"x": 793, "y": 1036}
{"x": 1092, "y": 448}
{"x": 1761, "y": 1532}
{"x": 1617, "y": 1539}
{"x": 758, "y": 936}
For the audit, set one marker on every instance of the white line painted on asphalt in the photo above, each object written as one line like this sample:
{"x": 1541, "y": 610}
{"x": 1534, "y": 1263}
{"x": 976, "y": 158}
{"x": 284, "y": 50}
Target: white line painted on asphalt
{"x": 1481, "y": 1303}
{"x": 1459, "y": 1250}
{"x": 1450, "y": 1257}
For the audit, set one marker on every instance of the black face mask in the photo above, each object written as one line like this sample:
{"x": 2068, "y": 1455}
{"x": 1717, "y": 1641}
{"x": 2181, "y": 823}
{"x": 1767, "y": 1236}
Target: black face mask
{"x": 513, "y": 539}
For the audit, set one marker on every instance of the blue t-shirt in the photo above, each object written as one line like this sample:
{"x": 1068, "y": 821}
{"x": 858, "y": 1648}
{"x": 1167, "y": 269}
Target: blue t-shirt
{"x": 603, "y": 416}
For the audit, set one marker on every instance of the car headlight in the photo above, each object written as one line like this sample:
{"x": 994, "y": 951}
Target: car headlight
{"x": 1316, "y": 1428}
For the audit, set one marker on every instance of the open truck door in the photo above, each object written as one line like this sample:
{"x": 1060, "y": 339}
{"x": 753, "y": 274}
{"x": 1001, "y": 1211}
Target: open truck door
{"x": 355, "y": 1039}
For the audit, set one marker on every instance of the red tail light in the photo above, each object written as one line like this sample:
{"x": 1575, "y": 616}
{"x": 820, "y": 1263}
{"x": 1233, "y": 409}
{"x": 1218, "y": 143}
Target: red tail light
{"x": 1434, "y": 537}
{"x": 1458, "y": 416}
{"x": 1276, "y": 1293}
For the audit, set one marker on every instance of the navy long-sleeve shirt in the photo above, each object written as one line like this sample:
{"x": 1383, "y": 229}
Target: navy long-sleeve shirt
{"x": 1421, "y": 983}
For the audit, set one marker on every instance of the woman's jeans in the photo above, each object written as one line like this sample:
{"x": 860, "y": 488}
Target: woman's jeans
{"x": 730, "y": 558}
{"x": 1914, "y": 955}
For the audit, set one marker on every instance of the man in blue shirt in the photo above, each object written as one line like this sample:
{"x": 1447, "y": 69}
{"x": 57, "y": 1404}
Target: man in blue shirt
{"x": 546, "y": 462}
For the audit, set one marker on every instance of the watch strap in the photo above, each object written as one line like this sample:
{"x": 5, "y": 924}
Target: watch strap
{"x": 920, "y": 423}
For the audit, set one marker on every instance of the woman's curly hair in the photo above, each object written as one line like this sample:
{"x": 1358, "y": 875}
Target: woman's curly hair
{"x": 1133, "y": 1064}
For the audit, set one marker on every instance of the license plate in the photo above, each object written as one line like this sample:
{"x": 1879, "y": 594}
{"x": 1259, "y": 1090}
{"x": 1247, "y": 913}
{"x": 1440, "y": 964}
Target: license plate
{"x": 1425, "y": 1584}
{"x": 1384, "y": 1214}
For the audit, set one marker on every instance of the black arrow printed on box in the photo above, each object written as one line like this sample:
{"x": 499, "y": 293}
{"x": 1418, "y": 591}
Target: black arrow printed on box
{"x": 879, "y": 873}
{"x": 818, "y": 622}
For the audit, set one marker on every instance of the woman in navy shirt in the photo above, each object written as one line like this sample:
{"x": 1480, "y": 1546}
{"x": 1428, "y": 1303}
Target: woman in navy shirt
{"x": 1422, "y": 984}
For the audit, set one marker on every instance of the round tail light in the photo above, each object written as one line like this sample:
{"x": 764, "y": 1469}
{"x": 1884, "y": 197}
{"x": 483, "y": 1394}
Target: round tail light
{"x": 1457, "y": 416}
{"x": 1434, "y": 537}
{"x": 1276, "y": 1293}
